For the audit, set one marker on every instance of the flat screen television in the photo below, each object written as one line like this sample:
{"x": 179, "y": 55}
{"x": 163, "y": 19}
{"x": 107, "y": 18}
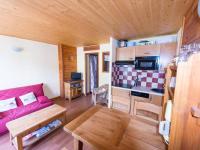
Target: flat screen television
{"x": 76, "y": 76}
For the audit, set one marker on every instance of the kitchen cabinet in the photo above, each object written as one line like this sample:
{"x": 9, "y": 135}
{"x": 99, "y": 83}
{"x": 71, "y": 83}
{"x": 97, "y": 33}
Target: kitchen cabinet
{"x": 125, "y": 53}
{"x": 167, "y": 53}
{"x": 121, "y": 99}
{"x": 156, "y": 100}
{"x": 147, "y": 50}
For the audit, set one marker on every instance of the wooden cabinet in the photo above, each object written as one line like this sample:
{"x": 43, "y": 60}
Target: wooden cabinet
{"x": 126, "y": 53}
{"x": 147, "y": 50}
{"x": 121, "y": 99}
{"x": 156, "y": 100}
{"x": 73, "y": 89}
{"x": 167, "y": 53}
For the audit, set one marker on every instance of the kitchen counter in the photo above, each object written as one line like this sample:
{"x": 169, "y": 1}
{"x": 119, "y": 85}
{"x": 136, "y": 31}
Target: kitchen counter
{"x": 140, "y": 89}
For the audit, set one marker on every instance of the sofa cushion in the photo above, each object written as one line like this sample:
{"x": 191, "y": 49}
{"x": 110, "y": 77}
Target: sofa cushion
{"x": 28, "y": 98}
{"x": 43, "y": 99}
{"x": 16, "y": 92}
{"x": 7, "y": 104}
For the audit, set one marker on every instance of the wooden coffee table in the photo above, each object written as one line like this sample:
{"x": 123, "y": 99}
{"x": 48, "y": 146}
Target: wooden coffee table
{"x": 27, "y": 124}
{"x": 108, "y": 129}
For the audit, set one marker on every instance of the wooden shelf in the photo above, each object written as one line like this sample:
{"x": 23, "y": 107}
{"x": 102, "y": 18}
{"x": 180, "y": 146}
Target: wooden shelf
{"x": 35, "y": 139}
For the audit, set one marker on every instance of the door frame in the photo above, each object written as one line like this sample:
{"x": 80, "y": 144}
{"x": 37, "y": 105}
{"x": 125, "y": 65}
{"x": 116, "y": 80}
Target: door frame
{"x": 85, "y": 74}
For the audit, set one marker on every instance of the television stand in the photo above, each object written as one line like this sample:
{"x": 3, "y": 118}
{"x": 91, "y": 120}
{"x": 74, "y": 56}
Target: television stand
{"x": 73, "y": 89}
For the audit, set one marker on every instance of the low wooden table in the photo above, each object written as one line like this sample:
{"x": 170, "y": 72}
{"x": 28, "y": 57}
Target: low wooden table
{"x": 27, "y": 124}
{"x": 105, "y": 129}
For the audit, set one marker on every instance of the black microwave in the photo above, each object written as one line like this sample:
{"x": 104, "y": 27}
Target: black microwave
{"x": 147, "y": 63}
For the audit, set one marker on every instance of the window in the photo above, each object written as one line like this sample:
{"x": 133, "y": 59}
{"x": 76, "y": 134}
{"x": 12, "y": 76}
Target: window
{"x": 106, "y": 61}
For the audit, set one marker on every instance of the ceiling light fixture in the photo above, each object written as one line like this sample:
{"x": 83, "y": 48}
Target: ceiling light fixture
{"x": 17, "y": 49}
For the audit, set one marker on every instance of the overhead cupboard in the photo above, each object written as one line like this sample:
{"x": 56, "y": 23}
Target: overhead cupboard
{"x": 166, "y": 52}
{"x": 147, "y": 50}
{"x": 126, "y": 53}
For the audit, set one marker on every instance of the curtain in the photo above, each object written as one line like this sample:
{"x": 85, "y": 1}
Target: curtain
{"x": 93, "y": 71}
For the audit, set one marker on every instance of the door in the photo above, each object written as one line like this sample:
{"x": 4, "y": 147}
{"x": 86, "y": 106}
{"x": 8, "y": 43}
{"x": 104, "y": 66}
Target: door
{"x": 92, "y": 72}
{"x": 93, "y": 60}
{"x": 185, "y": 128}
{"x": 126, "y": 53}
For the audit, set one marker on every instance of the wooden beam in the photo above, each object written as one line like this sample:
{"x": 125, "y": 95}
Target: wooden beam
{"x": 61, "y": 70}
{"x": 91, "y": 48}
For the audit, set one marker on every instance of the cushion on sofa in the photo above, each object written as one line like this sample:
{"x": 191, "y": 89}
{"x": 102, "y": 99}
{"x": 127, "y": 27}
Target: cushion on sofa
{"x": 16, "y": 92}
{"x": 28, "y": 98}
{"x": 43, "y": 99}
{"x": 7, "y": 104}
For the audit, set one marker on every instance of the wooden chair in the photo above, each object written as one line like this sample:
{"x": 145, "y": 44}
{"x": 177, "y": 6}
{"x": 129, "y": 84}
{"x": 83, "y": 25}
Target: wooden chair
{"x": 149, "y": 108}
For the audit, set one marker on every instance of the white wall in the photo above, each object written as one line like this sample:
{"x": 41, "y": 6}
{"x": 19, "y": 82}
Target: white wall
{"x": 113, "y": 46}
{"x": 37, "y": 63}
{"x": 103, "y": 76}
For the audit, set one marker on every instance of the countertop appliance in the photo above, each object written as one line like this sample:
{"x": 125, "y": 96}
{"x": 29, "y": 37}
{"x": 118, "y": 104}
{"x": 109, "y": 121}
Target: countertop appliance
{"x": 123, "y": 43}
{"x": 147, "y": 63}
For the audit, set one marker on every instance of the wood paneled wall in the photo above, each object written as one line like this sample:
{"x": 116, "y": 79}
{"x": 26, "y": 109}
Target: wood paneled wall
{"x": 192, "y": 26}
{"x": 67, "y": 64}
{"x": 184, "y": 133}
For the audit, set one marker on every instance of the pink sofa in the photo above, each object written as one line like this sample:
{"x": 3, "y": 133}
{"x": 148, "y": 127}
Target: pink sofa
{"x": 21, "y": 110}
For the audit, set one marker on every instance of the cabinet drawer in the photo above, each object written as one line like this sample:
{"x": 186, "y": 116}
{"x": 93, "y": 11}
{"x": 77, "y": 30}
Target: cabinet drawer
{"x": 142, "y": 99}
{"x": 122, "y": 100}
{"x": 153, "y": 99}
{"x": 120, "y": 93}
{"x": 157, "y": 100}
{"x": 121, "y": 107}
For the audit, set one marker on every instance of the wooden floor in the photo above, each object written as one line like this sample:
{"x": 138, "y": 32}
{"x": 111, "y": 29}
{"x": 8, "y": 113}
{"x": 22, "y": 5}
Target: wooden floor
{"x": 60, "y": 140}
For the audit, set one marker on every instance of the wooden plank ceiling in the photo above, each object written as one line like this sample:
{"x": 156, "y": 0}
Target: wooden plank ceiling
{"x": 86, "y": 22}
